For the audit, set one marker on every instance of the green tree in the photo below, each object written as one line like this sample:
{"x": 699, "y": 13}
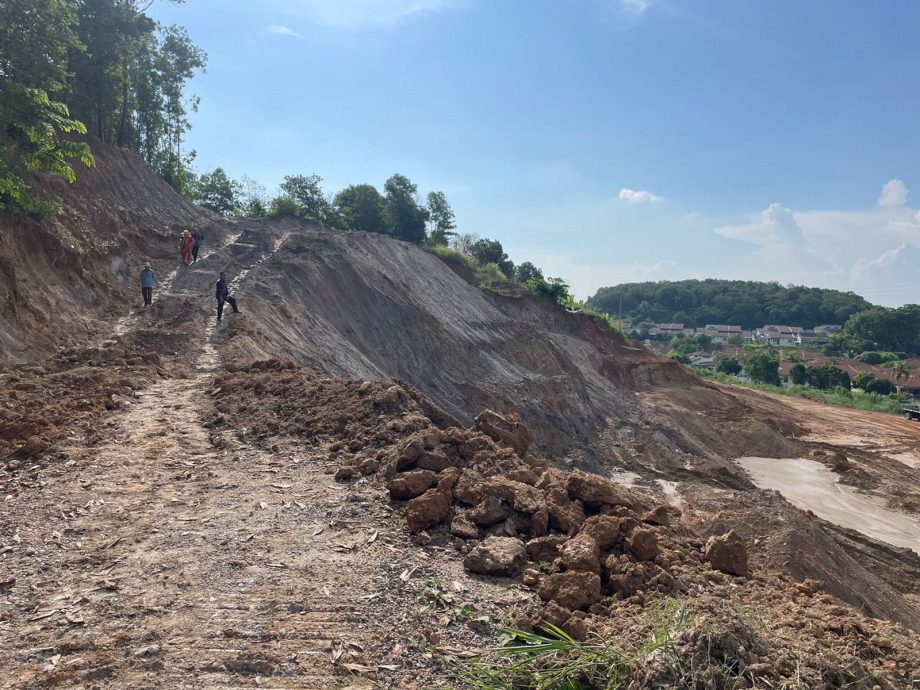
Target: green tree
{"x": 798, "y": 374}
{"x": 36, "y": 38}
{"x": 555, "y": 289}
{"x": 216, "y": 191}
{"x": 405, "y": 218}
{"x": 879, "y": 387}
{"x": 827, "y": 376}
{"x": 900, "y": 369}
{"x": 863, "y": 379}
{"x": 762, "y": 365}
{"x": 491, "y": 252}
{"x": 441, "y": 217}
{"x": 362, "y": 208}
{"x": 527, "y": 271}
{"x": 679, "y": 357}
{"x": 309, "y": 195}
{"x": 729, "y": 365}
{"x": 284, "y": 206}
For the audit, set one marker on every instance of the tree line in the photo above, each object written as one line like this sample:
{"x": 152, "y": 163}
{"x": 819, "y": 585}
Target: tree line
{"x": 98, "y": 67}
{"x": 396, "y": 212}
{"x": 749, "y": 304}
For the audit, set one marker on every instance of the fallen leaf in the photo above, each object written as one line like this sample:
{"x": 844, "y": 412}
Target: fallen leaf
{"x": 263, "y": 505}
{"x": 282, "y": 486}
{"x": 371, "y": 539}
{"x": 360, "y": 668}
{"x": 55, "y": 659}
{"x": 326, "y": 591}
{"x": 250, "y": 537}
{"x": 458, "y": 652}
{"x": 299, "y": 505}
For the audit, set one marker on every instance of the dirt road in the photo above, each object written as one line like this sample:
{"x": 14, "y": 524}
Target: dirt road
{"x": 168, "y": 557}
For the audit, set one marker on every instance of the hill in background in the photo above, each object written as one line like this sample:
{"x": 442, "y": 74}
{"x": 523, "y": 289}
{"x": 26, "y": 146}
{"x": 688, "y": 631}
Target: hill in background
{"x": 745, "y": 303}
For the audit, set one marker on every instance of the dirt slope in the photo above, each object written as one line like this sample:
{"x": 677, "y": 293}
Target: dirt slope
{"x": 134, "y": 543}
{"x": 70, "y": 275}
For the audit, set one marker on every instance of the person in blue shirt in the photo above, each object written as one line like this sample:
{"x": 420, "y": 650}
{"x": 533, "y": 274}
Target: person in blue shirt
{"x": 223, "y": 295}
{"x": 148, "y": 280}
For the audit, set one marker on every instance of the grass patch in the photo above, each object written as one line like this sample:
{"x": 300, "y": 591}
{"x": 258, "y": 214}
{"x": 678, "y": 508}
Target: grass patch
{"x": 550, "y": 659}
{"x": 870, "y": 402}
{"x": 545, "y": 660}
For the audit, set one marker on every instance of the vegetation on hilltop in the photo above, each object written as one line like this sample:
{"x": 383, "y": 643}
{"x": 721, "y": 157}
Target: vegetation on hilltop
{"x": 99, "y": 67}
{"x": 744, "y": 303}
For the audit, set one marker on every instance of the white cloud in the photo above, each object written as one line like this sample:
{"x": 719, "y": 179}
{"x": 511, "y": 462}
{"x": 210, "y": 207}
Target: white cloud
{"x": 863, "y": 268}
{"x": 281, "y": 30}
{"x": 894, "y": 193}
{"x": 636, "y": 196}
{"x": 634, "y": 7}
{"x": 368, "y": 14}
{"x": 874, "y": 252}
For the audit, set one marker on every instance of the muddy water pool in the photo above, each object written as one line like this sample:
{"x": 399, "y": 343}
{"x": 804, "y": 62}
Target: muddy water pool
{"x": 809, "y": 485}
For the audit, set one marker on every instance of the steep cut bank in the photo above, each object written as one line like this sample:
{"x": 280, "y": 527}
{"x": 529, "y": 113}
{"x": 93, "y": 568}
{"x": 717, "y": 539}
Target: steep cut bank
{"x": 66, "y": 277}
{"x": 367, "y": 307}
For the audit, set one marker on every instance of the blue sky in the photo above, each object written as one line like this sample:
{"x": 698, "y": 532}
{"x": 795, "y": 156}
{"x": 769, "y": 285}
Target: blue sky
{"x": 604, "y": 140}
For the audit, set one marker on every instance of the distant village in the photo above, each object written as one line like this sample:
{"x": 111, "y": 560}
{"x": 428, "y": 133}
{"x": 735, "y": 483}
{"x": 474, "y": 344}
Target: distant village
{"x": 804, "y": 346}
{"x": 782, "y": 336}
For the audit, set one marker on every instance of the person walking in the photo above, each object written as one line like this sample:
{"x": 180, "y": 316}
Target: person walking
{"x": 198, "y": 236}
{"x": 148, "y": 280}
{"x": 185, "y": 246}
{"x": 223, "y": 295}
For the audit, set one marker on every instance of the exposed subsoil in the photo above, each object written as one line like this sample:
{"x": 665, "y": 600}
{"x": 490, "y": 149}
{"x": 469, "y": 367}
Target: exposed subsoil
{"x": 194, "y": 504}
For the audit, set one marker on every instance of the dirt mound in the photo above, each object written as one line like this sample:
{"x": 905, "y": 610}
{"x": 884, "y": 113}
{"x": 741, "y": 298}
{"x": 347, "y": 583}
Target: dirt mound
{"x": 598, "y": 554}
{"x": 64, "y": 277}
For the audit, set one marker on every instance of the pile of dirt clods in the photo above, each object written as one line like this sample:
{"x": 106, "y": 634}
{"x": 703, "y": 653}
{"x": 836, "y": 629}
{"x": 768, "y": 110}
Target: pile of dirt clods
{"x": 598, "y": 555}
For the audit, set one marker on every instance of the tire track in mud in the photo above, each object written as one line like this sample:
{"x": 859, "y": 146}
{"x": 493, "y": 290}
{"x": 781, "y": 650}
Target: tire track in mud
{"x": 174, "y": 558}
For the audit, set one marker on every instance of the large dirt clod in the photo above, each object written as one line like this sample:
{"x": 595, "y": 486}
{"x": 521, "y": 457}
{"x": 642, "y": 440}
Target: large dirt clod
{"x": 728, "y": 553}
{"x": 427, "y": 510}
{"x": 411, "y": 484}
{"x": 573, "y": 589}
{"x": 593, "y": 490}
{"x": 505, "y": 432}
{"x": 497, "y": 556}
{"x": 581, "y": 553}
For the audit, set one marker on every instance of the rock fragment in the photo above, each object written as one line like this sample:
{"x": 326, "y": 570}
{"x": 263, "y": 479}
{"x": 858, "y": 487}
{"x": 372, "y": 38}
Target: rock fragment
{"x": 497, "y": 556}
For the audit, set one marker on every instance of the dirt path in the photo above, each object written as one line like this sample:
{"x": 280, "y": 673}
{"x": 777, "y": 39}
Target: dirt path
{"x": 168, "y": 557}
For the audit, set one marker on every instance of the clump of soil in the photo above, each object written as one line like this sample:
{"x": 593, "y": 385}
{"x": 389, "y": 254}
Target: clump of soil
{"x": 598, "y": 555}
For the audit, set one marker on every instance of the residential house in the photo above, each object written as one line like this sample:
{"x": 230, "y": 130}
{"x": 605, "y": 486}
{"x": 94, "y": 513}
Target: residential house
{"x": 720, "y": 333}
{"x": 669, "y": 330}
{"x": 703, "y": 362}
{"x": 787, "y": 336}
{"x": 828, "y": 329}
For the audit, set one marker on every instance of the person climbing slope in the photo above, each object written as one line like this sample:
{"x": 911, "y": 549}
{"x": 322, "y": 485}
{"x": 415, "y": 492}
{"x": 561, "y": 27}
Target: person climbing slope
{"x": 148, "y": 281}
{"x": 185, "y": 246}
{"x": 223, "y": 295}
{"x": 198, "y": 236}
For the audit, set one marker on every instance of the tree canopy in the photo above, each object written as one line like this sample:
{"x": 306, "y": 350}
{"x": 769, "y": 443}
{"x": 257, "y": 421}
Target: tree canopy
{"x": 748, "y": 304}
{"x": 90, "y": 66}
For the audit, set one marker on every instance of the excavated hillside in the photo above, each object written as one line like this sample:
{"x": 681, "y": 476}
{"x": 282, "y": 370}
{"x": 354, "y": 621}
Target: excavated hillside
{"x": 195, "y": 504}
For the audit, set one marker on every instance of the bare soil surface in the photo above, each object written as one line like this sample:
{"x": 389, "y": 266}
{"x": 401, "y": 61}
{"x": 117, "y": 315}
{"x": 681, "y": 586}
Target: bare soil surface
{"x": 193, "y": 504}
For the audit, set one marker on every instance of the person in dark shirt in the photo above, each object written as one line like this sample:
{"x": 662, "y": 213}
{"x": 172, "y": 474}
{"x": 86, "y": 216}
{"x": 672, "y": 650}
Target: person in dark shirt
{"x": 223, "y": 295}
{"x": 198, "y": 236}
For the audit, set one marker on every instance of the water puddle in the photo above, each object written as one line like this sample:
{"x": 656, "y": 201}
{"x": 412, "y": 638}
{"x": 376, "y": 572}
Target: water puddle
{"x": 809, "y": 485}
